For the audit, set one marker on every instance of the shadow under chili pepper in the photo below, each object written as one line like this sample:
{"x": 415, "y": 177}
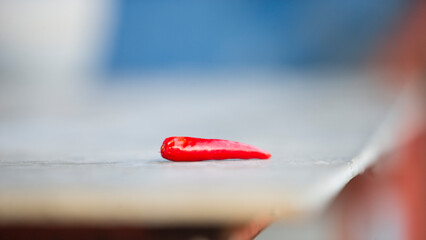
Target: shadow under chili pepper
{"x": 164, "y": 161}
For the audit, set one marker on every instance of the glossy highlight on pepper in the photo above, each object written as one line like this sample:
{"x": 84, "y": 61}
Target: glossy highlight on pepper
{"x": 189, "y": 149}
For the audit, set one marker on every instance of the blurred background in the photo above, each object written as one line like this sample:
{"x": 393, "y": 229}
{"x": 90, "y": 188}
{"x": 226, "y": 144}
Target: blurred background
{"x": 53, "y": 54}
{"x": 115, "y": 37}
{"x": 61, "y": 48}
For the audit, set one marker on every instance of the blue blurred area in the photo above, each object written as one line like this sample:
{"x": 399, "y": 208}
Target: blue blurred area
{"x": 167, "y": 34}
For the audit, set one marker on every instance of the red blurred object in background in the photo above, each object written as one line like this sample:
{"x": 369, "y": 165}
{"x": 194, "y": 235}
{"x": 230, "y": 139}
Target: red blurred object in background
{"x": 389, "y": 200}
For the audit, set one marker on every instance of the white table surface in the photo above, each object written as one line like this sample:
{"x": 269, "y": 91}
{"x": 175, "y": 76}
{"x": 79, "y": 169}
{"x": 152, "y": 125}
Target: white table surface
{"x": 95, "y": 158}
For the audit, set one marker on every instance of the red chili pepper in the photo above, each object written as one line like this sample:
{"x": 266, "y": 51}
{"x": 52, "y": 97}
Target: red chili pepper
{"x": 198, "y": 149}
